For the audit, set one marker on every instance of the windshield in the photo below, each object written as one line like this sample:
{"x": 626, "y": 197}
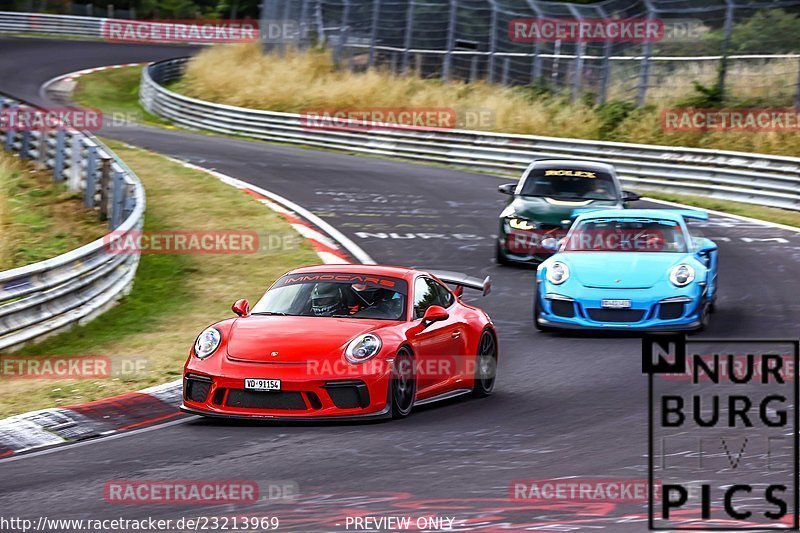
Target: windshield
{"x": 626, "y": 235}
{"x": 335, "y": 295}
{"x": 563, "y": 184}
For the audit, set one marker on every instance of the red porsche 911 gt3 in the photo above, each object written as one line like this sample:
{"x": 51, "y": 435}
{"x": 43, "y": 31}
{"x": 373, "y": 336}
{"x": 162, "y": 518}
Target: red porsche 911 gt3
{"x": 344, "y": 341}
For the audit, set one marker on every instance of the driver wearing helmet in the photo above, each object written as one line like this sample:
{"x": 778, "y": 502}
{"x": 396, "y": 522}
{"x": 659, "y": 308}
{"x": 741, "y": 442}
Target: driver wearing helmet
{"x": 327, "y": 300}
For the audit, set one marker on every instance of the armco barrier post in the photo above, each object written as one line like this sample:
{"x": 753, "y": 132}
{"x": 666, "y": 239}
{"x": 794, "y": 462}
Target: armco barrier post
{"x": 105, "y": 185}
{"x": 58, "y": 157}
{"x": 76, "y": 147}
{"x": 117, "y": 199}
{"x": 25, "y": 144}
{"x": 91, "y": 176}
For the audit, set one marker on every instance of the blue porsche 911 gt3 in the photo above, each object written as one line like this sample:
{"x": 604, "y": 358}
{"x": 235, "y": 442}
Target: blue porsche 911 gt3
{"x": 632, "y": 269}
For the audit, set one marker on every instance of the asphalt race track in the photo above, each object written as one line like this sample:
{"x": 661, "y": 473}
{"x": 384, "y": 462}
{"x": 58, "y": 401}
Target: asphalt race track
{"x": 565, "y": 405}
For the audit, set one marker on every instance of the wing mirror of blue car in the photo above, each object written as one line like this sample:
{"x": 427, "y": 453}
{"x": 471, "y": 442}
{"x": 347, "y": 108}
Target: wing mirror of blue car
{"x": 706, "y": 248}
{"x": 629, "y": 196}
{"x": 241, "y": 307}
{"x": 435, "y": 313}
{"x": 551, "y": 244}
{"x": 507, "y": 188}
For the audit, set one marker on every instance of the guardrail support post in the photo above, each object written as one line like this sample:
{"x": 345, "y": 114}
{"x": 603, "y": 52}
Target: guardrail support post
{"x": 506, "y": 68}
{"x": 25, "y": 144}
{"x": 58, "y": 157}
{"x": 74, "y": 178}
{"x": 91, "y": 177}
{"x": 10, "y": 133}
{"x": 105, "y": 185}
{"x": 117, "y": 199}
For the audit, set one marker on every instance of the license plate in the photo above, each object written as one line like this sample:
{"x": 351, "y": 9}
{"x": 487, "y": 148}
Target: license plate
{"x": 262, "y": 384}
{"x": 616, "y": 304}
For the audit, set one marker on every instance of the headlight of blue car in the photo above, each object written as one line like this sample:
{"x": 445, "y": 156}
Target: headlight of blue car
{"x": 557, "y": 273}
{"x": 682, "y": 275}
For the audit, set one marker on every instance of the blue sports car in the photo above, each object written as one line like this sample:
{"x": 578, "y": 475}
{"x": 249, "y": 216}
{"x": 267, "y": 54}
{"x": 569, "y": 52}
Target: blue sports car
{"x": 632, "y": 269}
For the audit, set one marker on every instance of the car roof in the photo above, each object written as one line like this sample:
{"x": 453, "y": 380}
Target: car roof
{"x": 579, "y": 164}
{"x": 377, "y": 270}
{"x": 661, "y": 214}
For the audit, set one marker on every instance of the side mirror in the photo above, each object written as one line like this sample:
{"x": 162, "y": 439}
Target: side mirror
{"x": 507, "y": 188}
{"x": 241, "y": 307}
{"x": 435, "y": 313}
{"x": 551, "y": 244}
{"x": 629, "y": 196}
{"x": 706, "y": 247}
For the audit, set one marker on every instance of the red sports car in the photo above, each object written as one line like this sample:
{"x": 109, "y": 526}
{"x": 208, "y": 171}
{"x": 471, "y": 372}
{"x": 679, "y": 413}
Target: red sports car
{"x": 344, "y": 341}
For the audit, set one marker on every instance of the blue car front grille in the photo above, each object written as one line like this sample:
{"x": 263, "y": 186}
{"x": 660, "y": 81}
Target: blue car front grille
{"x": 616, "y": 315}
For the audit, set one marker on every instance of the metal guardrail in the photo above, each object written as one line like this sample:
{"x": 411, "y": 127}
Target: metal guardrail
{"x": 743, "y": 177}
{"x": 14, "y": 22}
{"x": 46, "y": 297}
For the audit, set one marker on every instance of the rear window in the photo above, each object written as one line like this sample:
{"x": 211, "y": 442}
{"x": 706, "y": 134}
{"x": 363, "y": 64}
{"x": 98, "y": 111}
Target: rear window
{"x": 570, "y": 184}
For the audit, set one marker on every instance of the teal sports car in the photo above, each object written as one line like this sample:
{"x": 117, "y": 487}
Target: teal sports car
{"x": 628, "y": 269}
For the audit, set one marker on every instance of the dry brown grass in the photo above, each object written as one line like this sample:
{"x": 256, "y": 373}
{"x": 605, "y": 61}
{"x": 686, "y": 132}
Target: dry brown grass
{"x": 241, "y": 75}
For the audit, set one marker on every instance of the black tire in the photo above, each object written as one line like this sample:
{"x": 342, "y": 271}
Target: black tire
{"x": 500, "y": 255}
{"x": 485, "y": 365}
{"x": 403, "y": 387}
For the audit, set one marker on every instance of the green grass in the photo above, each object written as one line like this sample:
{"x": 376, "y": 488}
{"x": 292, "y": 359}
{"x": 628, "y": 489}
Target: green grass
{"x": 39, "y": 219}
{"x": 116, "y": 93}
{"x": 770, "y": 214}
{"x": 174, "y": 296}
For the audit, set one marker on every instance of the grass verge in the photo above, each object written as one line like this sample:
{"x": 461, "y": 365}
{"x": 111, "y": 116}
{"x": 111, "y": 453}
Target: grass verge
{"x": 39, "y": 219}
{"x": 770, "y": 214}
{"x": 174, "y": 296}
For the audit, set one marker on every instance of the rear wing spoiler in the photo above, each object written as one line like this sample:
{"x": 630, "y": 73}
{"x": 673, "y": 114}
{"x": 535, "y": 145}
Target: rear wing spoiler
{"x": 462, "y": 280}
{"x": 689, "y": 213}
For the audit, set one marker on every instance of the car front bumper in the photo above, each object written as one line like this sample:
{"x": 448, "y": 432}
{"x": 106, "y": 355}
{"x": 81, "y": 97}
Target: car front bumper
{"x": 307, "y": 392}
{"x": 648, "y": 311}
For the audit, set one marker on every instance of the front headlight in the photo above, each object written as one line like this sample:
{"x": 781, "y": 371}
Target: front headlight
{"x": 682, "y": 275}
{"x": 207, "y": 342}
{"x": 363, "y": 347}
{"x": 521, "y": 223}
{"x": 557, "y": 273}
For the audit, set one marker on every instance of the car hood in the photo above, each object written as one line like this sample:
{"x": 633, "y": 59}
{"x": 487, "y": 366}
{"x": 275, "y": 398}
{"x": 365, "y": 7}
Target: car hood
{"x": 620, "y": 270}
{"x": 296, "y": 339}
{"x": 550, "y": 211}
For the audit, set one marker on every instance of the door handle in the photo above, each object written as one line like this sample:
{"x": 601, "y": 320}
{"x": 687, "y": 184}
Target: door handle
{"x": 456, "y": 334}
